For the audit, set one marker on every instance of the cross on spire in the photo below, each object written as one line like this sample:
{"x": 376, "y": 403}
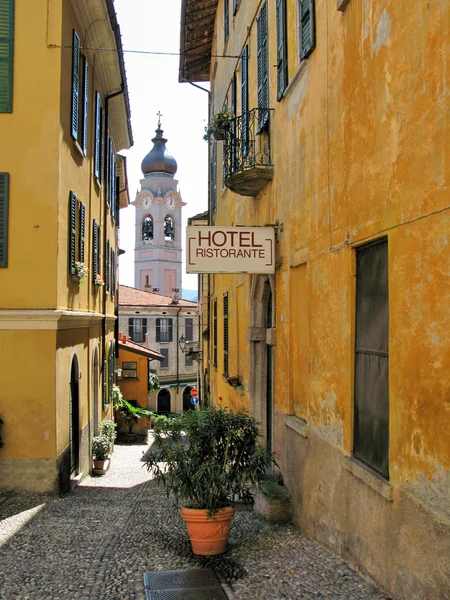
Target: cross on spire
{"x": 159, "y": 118}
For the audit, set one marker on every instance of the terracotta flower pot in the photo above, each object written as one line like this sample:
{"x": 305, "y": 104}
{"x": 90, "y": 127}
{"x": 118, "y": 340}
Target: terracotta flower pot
{"x": 209, "y": 535}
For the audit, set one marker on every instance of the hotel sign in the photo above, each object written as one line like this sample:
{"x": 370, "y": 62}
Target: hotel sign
{"x": 230, "y": 250}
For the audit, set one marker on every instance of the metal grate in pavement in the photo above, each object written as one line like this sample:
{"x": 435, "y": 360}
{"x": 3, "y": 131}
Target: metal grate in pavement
{"x": 194, "y": 584}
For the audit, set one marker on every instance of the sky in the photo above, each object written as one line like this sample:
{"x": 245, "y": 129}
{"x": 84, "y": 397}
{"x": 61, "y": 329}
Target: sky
{"x": 154, "y": 26}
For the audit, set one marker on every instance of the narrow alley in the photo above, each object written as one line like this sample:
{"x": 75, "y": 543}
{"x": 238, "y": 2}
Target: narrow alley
{"x": 97, "y": 542}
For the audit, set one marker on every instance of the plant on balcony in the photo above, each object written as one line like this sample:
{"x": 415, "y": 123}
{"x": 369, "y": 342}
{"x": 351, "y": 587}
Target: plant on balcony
{"x": 153, "y": 382}
{"x": 81, "y": 272}
{"x": 218, "y": 126}
{"x": 98, "y": 281}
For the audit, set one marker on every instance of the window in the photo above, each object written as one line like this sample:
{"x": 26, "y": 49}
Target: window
{"x": 226, "y": 19}
{"x": 98, "y": 139}
{"x": 189, "y": 329}
{"x": 244, "y": 100}
{"x": 233, "y": 124}
{"x": 96, "y": 267}
{"x": 188, "y": 362}
{"x": 113, "y": 272}
{"x": 262, "y": 41}
{"x": 307, "y": 28}
{"x": 111, "y": 369}
{"x": 108, "y": 267}
{"x": 137, "y": 329}
{"x": 147, "y": 230}
{"x": 79, "y": 106}
{"x": 215, "y": 332}
{"x": 129, "y": 370}
{"x": 371, "y": 420}
{"x": 164, "y": 330}
{"x": 4, "y": 202}
{"x": 282, "y": 71}
{"x": 169, "y": 228}
{"x": 225, "y": 334}
{"x": 77, "y": 231}
{"x": 164, "y": 364}
{"x": 6, "y": 54}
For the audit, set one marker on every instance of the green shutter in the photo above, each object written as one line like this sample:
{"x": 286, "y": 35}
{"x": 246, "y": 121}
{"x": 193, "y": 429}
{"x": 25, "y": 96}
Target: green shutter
{"x": 99, "y": 241}
{"x": 158, "y": 330}
{"x": 233, "y": 124}
{"x": 170, "y": 324}
{"x": 104, "y": 396}
{"x": 262, "y": 40}
{"x": 6, "y": 54}
{"x": 307, "y": 27}
{"x": 94, "y": 250}
{"x": 131, "y": 329}
{"x": 226, "y": 19}
{"x": 225, "y": 334}
{"x": 113, "y": 271}
{"x": 82, "y": 232}
{"x": 102, "y": 149}
{"x": 215, "y": 332}
{"x": 108, "y": 269}
{"x": 282, "y": 72}
{"x": 72, "y": 232}
{"x": 235, "y": 6}
{"x": 144, "y": 328}
{"x": 117, "y": 201}
{"x": 4, "y": 201}
{"x": 244, "y": 100}
{"x": 97, "y": 136}
{"x": 85, "y": 104}
{"x": 75, "y": 84}
{"x": 110, "y": 370}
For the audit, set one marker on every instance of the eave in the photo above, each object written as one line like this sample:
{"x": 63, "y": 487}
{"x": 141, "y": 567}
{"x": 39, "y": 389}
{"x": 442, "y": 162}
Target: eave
{"x": 196, "y": 39}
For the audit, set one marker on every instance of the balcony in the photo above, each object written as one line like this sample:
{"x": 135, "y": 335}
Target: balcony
{"x": 246, "y": 150}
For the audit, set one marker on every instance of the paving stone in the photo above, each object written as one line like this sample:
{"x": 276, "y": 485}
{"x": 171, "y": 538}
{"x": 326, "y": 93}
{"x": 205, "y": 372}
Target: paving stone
{"x": 97, "y": 542}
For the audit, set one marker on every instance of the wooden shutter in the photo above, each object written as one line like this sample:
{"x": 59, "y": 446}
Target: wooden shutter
{"x": 233, "y": 125}
{"x": 97, "y": 136}
{"x": 226, "y": 19}
{"x": 214, "y": 178}
{"x": 225, "y": 334}
{"x": 307, "y": 27}
{"x": 94, "y": 250}
{"x": 113, "y": 186}
{"x": 263, "y": 67}
{"x": 130, "y": 328}
{"x": 113, "y": 271}
{"x": 108, "y": 269}
{"x": 4, "y": 202}
{"x": 244, "y": 100}
{"x": 85, "y": 105}
{"x": 102, "y": 148}
{"x": 158, "y": 330}
{"x": 72, "y": 232}
{"x": 117, "y": 201}
{"x": 215, "y": 332}
{"x": 6, "y": 54}
{"x": 82, "y": 232}
{"x": 75, "y": 84}
{"x": 110, "y": 370}
{"x": 282, "y": 72}
{"x": 104, "y": 396}
{"x": 170, "y": 324}
{"x": 144, "y": 328}
{"x": 235, "y": 6}
{"x": 99, "y": 239}
{"x": 189, "y": 329}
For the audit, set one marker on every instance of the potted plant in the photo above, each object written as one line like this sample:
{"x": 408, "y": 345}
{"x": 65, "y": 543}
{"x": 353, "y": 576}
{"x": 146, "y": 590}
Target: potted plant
{"x": 209, "y": 459}
{"x": 81, "y": 272}
{"x": 218, "y": 126}
{"x": 100, "y": 453}
{"x": 132, "y": 414}
{"x": 99, "y": 281}
{"x": 108, "y": 429}
{"x": 158, "y": 422}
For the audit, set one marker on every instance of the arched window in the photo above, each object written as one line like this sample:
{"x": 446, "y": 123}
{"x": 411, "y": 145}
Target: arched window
{"x": 169, "y": 228}
{"x": 147, "y": 229}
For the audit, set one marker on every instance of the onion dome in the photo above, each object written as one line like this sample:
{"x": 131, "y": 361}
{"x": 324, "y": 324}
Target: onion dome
{"x": 159, "y": 160}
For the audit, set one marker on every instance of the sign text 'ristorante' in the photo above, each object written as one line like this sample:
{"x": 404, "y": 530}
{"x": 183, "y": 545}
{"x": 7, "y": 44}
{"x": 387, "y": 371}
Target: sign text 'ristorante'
{"x": 230, "y": 250}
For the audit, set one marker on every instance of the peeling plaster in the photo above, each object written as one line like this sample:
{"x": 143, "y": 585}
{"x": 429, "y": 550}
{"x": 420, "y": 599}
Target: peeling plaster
{"x": 383, "y": 31}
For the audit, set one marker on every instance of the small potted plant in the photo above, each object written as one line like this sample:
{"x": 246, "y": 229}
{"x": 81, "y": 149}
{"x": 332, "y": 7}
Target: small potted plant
{"x": 81, "y": 272}
{"x": 100, "y": 453}
{"x": 108, "y": 429}
{"x": 208, "y": 459}
{"x": 98, "y": 281}
{"x": 218, "y": 126}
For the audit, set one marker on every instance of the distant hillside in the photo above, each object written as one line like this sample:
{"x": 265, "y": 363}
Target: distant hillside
{"x": 189, "y": 295}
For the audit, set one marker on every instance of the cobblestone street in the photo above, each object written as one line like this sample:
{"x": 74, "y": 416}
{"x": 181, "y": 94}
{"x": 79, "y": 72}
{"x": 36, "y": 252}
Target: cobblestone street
{"x": 99, "y": 540}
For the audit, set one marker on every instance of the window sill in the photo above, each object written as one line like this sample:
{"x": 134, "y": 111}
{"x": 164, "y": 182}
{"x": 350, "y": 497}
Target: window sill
{"x": 297, "y": 425}
{"x": 78, "y": 148}
{"x": 341, "y": 4}
{"x": 287, "y": 92}
{"x": 374, "y": 481}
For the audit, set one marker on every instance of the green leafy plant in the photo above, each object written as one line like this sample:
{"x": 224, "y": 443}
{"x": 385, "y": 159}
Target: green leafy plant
{"x": 158, "y": 421}
{"x": 132, "y": 414}
{"x": 81, "y": 272}
{"x": 218, "y": 125}
{"x": 100, "y": 447}
{"x": 209, "y": 458}
{"x": 153, "y": 382}
{"x": 117, "y": 397}
{"x": 108, "y": 429}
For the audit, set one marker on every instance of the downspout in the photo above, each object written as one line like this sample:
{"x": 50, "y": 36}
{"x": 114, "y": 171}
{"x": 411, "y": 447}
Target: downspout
{"x": 178, "y": 351}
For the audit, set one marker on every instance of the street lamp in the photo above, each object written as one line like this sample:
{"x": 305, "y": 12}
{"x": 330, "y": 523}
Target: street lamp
{"x": 182, "y": 343}
{"x": 186, "y": 349}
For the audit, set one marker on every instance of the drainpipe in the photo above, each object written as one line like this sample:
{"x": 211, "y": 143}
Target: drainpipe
{"x": 178, "y": 351}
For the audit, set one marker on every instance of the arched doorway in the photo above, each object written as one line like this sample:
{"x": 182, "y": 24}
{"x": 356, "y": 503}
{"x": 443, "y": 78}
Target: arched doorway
{"x": 74, "y": 418}
{"x": 95, "y": 386}
{"x": 187, "y": 404}
{"x": 261, "y": 357}
{"x": 164, "y": 401}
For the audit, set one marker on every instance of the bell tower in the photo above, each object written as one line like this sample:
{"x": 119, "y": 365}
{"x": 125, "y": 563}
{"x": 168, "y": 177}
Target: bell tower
{"x": 157, "y": 253}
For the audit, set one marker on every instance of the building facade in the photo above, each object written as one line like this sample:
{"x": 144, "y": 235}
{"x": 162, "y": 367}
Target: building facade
{"x": 170, "y": 327}
{"x": 340, "y": 141}
{"x": 62, "y": 184}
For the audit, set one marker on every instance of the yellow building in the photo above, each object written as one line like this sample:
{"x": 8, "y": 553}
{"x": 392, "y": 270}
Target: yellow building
{"x": 64, "y": 115}
{"x": 340, "y": 141}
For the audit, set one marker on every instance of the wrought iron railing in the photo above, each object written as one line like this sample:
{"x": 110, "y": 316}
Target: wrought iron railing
{"x": 247, "y": 142}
